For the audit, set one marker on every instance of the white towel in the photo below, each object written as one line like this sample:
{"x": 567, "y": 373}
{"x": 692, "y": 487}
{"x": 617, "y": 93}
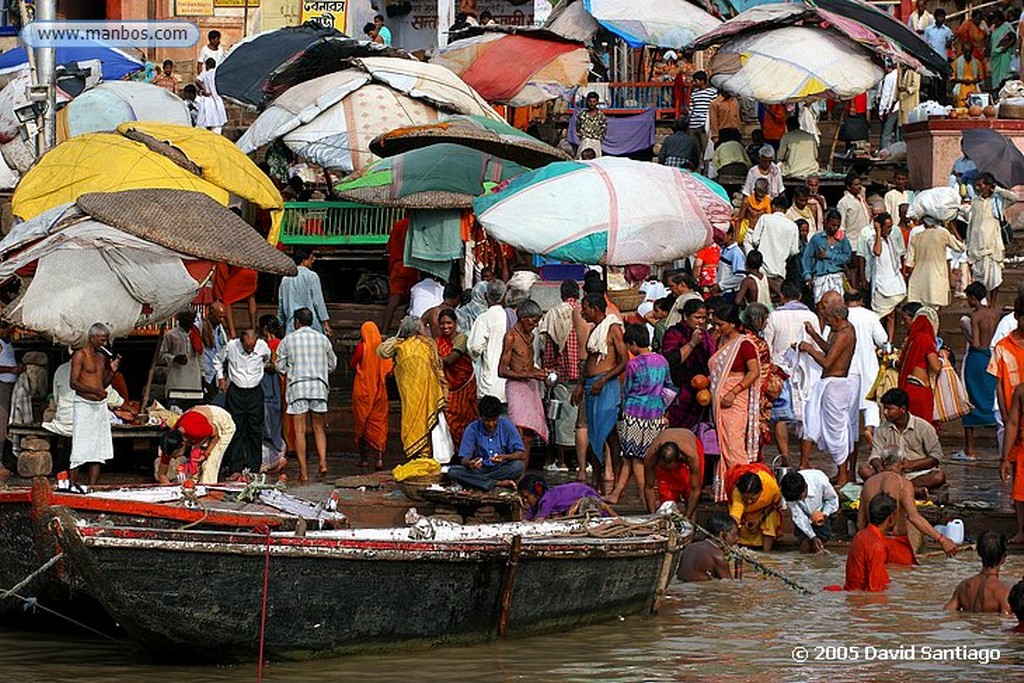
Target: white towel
{"x": 91, "y": 440}
{"x": 597, "y": 342}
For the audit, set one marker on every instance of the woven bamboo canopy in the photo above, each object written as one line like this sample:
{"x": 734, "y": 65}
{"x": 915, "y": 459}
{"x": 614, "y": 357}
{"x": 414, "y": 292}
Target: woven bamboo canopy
{"x": 190, "y": 223}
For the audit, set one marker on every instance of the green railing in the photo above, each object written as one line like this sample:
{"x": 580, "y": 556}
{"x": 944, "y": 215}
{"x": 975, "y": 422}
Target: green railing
{"x": 337, "y": 223}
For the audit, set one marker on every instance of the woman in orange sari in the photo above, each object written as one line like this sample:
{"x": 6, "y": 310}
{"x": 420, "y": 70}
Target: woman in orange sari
{"x": 370, "y": 397}
{"x": 458, "y": 370}
{"x": 735, "y": 394}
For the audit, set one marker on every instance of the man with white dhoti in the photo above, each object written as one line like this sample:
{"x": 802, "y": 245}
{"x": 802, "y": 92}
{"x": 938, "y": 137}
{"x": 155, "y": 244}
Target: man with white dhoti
{"x": 92, "y": 369}
{"x": 830, "y": 416}
{"x": 871, "y": 336}
{"x": 985, "y": 250}
{"x": 885, "y": 261}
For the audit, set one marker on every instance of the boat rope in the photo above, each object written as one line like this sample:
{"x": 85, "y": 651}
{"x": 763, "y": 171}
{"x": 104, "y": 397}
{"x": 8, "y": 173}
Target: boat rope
{"x": 33, "y": 603}
{"x": 263, "y": 529}
{"x": 620, "y": 527}
{"x": 28, "y": 579}
{"x": 190, "y": 499}
{"x": 741, "y": 553}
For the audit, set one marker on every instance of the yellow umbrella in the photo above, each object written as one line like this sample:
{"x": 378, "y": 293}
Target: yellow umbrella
{"x": 111, "y": 162}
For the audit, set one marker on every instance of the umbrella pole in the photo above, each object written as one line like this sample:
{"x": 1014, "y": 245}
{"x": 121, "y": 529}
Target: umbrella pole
{"x": 835, "y": 138}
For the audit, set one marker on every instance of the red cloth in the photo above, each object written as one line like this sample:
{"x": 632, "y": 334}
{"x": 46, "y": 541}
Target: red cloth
{"x": 231, "y": 284}
{"x": 899, "y": 551}
{"x": 194, "y": 426}
{"x": 919, "y": 344}
{"x": 400, "y": 278}
{"x": 120, "y": 386}
{"x": 774, "y": 124}
{"x": 674, "y": 484}
{"x": 509, "y": 62}
{"x": 865, "y": 563}
{"x": 195, "y": 338}
{"x": 746, "y": 352}
{"x": 732, "y": 476}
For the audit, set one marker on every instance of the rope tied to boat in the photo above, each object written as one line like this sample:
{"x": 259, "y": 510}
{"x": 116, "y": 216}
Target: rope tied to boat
{"x": 736, "y": 552}
{"x": 31, "y": 577}
{"x": 620, "y": 527}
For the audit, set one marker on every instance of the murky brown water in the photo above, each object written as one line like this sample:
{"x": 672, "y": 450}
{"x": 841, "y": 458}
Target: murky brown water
{"x": 726, "y": 631}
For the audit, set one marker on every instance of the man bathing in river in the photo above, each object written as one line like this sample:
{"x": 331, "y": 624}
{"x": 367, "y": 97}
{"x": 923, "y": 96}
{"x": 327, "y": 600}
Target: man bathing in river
{"x": 92, "y": 369}
{"x": 830, "y": 416}
{"x": 865, "y": 563}
{"x": 598, "y": 387}
{"x": 705, "y": 560}
{"x": 890, "y": 481}
{"x": 984, "y": 592}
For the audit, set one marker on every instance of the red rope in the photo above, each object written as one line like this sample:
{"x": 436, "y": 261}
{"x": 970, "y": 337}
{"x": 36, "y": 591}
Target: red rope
{"x": 263, "y": 529}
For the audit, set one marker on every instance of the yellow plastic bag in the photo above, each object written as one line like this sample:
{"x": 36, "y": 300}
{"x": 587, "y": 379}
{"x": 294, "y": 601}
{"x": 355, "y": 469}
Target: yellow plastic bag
{"x": 420, "y": 467}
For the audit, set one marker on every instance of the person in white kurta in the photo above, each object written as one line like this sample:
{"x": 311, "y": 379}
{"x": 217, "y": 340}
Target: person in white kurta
{"x": 985, "y": 250}
{"x": 486, "y": 341}
{"x": 926, "y": 257}
{"x": 212, "y": 115}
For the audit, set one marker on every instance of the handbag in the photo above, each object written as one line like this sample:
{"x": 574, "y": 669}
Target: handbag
{"x": 951, "y": 401}
{"x": 708, "y": 437}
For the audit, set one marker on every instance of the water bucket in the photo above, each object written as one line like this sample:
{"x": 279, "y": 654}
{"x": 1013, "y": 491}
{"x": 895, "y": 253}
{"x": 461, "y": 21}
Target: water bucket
{"x": 781, "y": 470}
{"x": 554, "y": 410}
{"x": 955, "y": 531}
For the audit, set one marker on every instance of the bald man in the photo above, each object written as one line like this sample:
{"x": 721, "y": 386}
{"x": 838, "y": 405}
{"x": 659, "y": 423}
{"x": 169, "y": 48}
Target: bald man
{"x": 830, "y": 416}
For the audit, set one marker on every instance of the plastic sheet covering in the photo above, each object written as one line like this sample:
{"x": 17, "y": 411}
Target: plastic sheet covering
{"x": 107, "y": 105}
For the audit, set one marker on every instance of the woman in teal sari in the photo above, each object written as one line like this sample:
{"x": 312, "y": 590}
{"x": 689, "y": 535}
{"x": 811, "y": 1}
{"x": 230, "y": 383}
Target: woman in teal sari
{"x": 1002, "y": 46}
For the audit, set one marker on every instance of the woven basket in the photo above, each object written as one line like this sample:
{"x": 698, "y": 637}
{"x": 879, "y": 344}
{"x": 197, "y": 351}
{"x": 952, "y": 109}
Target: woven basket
{"x": 190, "y": 223}
{"x": 1011, "y": 111}
{"x": 626, "y": 299}
{"x": 412, "y": 486}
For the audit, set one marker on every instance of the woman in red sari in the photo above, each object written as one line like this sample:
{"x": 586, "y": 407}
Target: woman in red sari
{"x": 370, "y": 397}
{"x": 919, "y": 362}
{"x": 735, "y": 394}
{"x": 458, "y": 370}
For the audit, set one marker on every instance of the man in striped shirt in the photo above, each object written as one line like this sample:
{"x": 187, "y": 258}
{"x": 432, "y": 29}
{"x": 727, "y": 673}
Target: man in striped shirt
{"x": 306, "y": 357}
{"x": 700, "y": 101}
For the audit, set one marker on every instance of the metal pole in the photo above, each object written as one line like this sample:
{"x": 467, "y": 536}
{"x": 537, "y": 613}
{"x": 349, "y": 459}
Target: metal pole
{"x": 46, "y": 10}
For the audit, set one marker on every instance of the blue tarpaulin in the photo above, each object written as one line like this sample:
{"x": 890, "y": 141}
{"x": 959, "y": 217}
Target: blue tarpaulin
{"x": 116, "y": 63}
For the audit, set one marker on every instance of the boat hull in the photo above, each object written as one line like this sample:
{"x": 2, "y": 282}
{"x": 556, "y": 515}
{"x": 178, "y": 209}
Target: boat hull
{"x": 201, "y": 593}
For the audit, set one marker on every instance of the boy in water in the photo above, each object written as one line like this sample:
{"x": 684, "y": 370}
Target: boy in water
{"x": 1016, "y": 601}
{"x": 705, "y": 560}
{"x": 984, "y": 592}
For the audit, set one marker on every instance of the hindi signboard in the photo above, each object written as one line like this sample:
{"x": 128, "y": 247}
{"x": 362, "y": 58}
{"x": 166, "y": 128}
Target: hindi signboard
{"x": 327, "y": 13}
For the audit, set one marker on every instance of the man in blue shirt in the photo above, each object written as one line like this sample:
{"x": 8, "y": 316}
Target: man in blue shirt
{"x": 492, "y": 451}
{"x": 825, "y": 258}
{"x": 939, "y": 37}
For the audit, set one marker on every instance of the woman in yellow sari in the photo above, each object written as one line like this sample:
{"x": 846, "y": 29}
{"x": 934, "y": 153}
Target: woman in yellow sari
{"x": 370, "y": 397}
{"x": 735, "y": 394}
{"x": 423, "y": 390}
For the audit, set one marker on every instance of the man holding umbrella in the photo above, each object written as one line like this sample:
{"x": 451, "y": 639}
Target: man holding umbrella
{"x": 985, "y": 249}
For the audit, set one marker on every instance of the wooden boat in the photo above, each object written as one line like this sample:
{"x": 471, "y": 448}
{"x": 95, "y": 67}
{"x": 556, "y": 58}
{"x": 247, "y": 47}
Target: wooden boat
{"x": 200, "y": 594}
{"x": 27, "y": 542}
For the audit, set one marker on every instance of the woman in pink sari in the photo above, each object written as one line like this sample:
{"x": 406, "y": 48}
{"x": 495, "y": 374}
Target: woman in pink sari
{"x": 735, "y": 394}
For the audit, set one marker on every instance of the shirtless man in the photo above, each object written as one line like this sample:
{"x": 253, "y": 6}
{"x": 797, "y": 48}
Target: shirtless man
{"x": 598, "y": 386}
{"x": 978, "y": 327}
{"x": 984, "y": 592}
{"x": 830, "y": 416}
{"x": 674, "y": 470}
{"x": 704, "y": 560}
{"x": 92, "y": 369}
{"x": 452, "y": 291}
{"x": 518, "y": 367}
{"x": 892, "y": 482}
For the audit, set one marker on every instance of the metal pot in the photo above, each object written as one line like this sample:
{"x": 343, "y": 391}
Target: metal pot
{"x": 554, "y": 410}
{"x": 781, "y": 470}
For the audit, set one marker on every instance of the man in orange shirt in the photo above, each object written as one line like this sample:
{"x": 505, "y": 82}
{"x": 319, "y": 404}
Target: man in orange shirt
{"x": 865, "y": 563}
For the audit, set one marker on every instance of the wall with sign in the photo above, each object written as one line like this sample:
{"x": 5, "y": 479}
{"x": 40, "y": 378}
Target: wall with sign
{"x": 328, "y": 13}
{"x": 419, "y": 29}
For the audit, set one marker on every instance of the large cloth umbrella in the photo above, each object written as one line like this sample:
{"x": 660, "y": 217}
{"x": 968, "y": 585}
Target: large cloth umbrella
{"x": 794, "y": 63}
{"x": 991, "y": 151}
{"x": 519, "y": 70}
{"x": 479, "y": 132}
{"x": 441, "y": 176}
{"x": 264, "y": 65}
{"x": 660, "y": 23}
{"x": 611, "y": 210}
{"x": 112, "y": 103}
{"x": 145, "y": 155}
{"x": 331, "y": 120}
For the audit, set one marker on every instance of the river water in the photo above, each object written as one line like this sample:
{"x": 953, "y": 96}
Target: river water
{"x": 746, "y": 630}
